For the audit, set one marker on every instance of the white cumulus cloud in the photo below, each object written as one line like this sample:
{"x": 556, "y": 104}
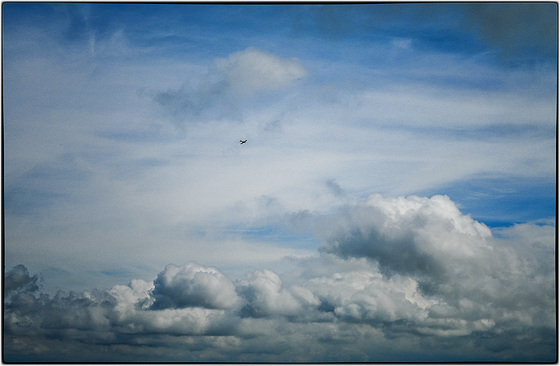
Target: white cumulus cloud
{"x": 193, "y": 285}
{"x": 266, "y": 296}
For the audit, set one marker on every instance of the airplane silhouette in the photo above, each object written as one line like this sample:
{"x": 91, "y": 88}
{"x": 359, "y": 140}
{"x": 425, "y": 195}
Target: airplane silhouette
{"x": 241, "y": 142}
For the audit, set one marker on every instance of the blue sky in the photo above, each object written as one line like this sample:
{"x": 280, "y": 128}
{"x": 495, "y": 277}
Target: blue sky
{"x": 393, "y": 149}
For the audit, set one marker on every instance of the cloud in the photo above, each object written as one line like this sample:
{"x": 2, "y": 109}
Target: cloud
{"x": 458, "y": 291}
{"x": 95, "y": 175}
{"x": 522, "y": 31}
{"x": 451, "y": 259}
{"x": 265, "y": 296}
{"x": 368, "y": 123}
{"x": 231, "y": 80}
{"x": 335, "y": 188}
{"x": 411, "y": 236}
{"x": 193, "y": 285}
{"x": 366, "y": 296}
{"x": 253, "y": 70}
{"x": 18, "y": 278}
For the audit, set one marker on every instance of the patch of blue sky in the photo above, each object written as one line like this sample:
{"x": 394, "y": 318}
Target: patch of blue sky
{"x": 441, "y": 26}
{"x": 181, "y": 30}
{"x": 502, "y": 201}
{"x": 186, "y": 28}
{"x": 431, "y": 26}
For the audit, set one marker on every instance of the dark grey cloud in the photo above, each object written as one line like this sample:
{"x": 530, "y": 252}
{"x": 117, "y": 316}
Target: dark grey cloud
{"x": 394, "y": 255}
{"x": 520, "y": 30}
{"x": 335, "y": 188}
{"x": 411, "y": 275}
{"x": 18, "y": 279}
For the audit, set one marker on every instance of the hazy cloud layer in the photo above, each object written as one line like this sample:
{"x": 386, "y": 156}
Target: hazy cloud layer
{"x": 464, "y": 290}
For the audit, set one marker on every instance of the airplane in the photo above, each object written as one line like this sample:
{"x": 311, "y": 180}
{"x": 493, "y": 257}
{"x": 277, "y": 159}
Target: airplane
{"x": 241, "y": 142}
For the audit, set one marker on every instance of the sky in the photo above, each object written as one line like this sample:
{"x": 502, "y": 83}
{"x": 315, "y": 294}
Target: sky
{"x": 395, "y": 199}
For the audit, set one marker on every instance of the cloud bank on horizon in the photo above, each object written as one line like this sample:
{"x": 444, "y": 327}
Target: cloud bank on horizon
{"x": 396, "y": 278}
{"x": 395, "y": 200}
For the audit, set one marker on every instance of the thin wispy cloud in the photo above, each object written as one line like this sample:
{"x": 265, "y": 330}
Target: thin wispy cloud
{"x": 394, "y": 201}
{"x": 231, "y": 81}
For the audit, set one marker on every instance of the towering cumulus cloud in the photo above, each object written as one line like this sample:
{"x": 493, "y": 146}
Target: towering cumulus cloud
{"x": 398, "y": 278}
{"x": 462, "y": 279}
{"x": 425, "y": 238}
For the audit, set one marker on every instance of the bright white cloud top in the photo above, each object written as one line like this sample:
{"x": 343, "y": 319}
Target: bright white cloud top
{"x": 395, "y": 201}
